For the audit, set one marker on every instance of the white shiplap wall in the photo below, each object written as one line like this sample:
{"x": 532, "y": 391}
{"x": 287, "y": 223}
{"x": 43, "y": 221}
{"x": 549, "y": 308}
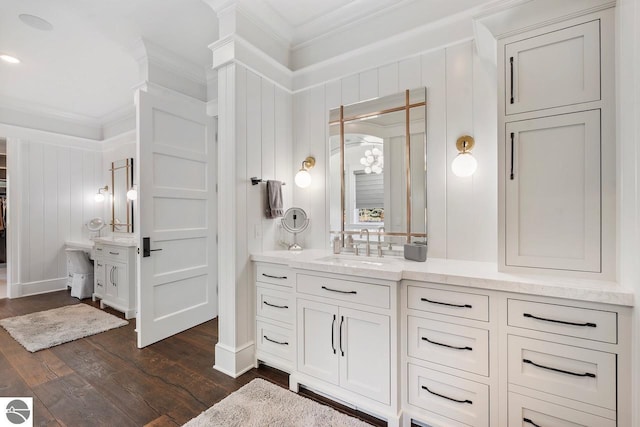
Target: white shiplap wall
{"x": 57, "y": 184}
{"x": 461, "y": 97}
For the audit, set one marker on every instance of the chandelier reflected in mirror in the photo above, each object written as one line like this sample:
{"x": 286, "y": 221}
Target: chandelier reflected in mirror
{"x": 373, "y": 161}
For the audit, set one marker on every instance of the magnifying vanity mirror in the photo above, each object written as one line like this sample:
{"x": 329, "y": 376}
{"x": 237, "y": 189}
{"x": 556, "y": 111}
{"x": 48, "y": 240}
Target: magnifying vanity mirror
{"x": 121, "y": 206}
{"x": 295, "y": 221}
{"x": 378, "y": 168}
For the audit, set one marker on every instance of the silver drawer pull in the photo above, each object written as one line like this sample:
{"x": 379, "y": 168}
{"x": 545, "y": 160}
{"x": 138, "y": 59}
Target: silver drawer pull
{"x": 339, "y": 291}
{"x": 447, "y": 397}
{"x": 114, "y": 253}
{"x": 274, "y": 341}
{"x": 528, "y": 421}
{"x": 275, "y": 306}
{"x": 446, "y": 345}
{"x": 274, "y": 277}
{"x": 564, "y": 322}
{"x": 446, "y": 303}
{"x": 575, "y": 374}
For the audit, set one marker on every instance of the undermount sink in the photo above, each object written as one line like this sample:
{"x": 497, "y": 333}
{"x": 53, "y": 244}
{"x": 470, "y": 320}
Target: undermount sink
{"x": 358, "y": 261}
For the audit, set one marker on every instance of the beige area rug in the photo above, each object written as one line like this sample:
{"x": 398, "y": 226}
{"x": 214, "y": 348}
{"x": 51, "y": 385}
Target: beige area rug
{"x": 262, "y": 404}
{"x": 44, "y": 329}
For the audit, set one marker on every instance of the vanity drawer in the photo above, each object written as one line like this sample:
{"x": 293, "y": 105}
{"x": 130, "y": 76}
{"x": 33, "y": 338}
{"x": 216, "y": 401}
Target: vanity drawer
{"x": 527, "y": 412}
{"x": 344, "y": 290}
{"x": 274, "y": 340}
{"x": 448, "y": 396}
{"x": 274, "y": 304}
{"x": 564, "y": 320}
{"x": 571, "y": 372}
{"x": 274, "y": 273}
{"x": 459, "y": 347}
{"x": 452, "y": 303}
{"x": 115, "y": 253}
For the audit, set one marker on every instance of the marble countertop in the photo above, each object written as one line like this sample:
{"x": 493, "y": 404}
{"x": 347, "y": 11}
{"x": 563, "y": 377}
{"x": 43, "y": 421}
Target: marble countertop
{"x": 125, "y": 241}
{"x": 481, "y": 275}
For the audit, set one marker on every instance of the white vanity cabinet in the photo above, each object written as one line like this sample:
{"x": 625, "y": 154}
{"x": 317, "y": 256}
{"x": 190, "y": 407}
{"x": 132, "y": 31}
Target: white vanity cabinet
{"x": 557, "y": 148}
{"x": 447, "y": 365}
{"x": 566, "y": 363}
{"x": 115, "y": 277}
{"x": 275, "y": 316}
{"x": 347, "y": 340}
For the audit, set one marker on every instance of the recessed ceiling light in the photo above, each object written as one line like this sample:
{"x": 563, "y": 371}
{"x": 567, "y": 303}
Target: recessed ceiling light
{"x": 10, "y": 59}
{"x": 36, "y": 22}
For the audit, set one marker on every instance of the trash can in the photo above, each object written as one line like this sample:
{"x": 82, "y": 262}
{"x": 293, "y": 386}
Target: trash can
{"x": 80, "y": 275}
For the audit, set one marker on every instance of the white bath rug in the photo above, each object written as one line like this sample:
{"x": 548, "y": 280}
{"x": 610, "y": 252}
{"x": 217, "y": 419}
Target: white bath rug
{"x": 262, "y": 404}
{"x": 44, "y": 329}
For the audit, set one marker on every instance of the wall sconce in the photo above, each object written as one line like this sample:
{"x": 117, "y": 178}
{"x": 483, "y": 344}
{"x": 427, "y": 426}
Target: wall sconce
{"x": 464, "y": 164}
{"x": 99, "y": 196}
{"x": 303, "y": 177}
{"x": 132, "y": 194}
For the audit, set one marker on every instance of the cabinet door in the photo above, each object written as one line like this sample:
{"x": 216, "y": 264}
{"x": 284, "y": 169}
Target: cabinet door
{"x": 364, "y": 347}
{"x": 99, "y": 278}
{"x": 318, "y": 340}
{"x": 117, "y": 282}
{"x": 554, "y": 69}
{"x": 552, "y": 192}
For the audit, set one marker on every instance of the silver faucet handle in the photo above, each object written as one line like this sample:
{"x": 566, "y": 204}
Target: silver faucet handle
{"x": 379, "y": 250}
{"x": 356, "y": 250}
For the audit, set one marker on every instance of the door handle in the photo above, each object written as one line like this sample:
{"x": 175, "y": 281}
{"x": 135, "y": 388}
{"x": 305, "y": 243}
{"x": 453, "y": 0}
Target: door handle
{"x": 341, "y": 322}
{"x": 146, "y": 247}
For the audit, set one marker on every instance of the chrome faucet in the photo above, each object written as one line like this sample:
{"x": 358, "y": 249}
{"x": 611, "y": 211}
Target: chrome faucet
{"x": 380, "y": 231}
{"x": 368, "y": 243}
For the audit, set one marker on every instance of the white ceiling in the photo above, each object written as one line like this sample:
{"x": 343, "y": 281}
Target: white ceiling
{"x": 85, "y": 68}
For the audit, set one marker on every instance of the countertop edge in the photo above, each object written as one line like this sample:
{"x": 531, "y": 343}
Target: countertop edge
{"x": 580, "y": 290}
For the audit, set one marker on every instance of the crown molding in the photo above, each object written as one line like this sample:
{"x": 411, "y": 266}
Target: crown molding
{"x": 235, "y": 49}
{"x": 48, "y": 111}
{"x": 42, "y": 136}
{"x": 144, "y": 50}
{"x": 118, "y": 141}
{"x": 512, "y": 17}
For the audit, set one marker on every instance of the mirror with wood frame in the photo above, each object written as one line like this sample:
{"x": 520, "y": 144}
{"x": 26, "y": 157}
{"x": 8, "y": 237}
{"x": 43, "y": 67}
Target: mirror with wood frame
{"x": 121, "y": 206}
{"x": 378, "y": 168}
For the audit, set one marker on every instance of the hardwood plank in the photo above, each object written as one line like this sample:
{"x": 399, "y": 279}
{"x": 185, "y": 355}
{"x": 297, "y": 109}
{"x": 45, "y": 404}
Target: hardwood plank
{"x": 34, "y": 368}
{"x": 163, "y": 421}
{"x": 75, "y": 402}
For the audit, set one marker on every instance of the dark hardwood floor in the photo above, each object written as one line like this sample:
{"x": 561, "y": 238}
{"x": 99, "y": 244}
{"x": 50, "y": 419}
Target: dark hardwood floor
{"x": 106, "y": 380}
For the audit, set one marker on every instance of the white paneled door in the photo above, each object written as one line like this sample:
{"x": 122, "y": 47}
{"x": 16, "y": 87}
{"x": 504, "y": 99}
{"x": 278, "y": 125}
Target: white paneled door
{"x": 177, "y": 211}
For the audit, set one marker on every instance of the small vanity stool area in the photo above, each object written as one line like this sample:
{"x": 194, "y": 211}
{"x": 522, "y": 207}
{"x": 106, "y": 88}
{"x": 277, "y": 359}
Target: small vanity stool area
{"x": 445, "y": 342}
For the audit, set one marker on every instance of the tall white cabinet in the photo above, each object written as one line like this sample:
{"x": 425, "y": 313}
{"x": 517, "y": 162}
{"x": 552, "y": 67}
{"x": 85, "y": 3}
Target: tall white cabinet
{"x": 557, "y": 148}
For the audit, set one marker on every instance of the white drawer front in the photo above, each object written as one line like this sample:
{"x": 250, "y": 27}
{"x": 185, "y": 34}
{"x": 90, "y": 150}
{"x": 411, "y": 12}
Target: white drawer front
{"x": 575, "y": 373}
{"x": 564, "y": 320}
{"x": 273, "y": 273}
{"x": 447, "y": 344}
{"x": 115, "y": 253}
{"x": 275, "y": 340}
{"x": 528, "y": 412}
{"x": 452, "y": 397}
{"x": 345, "y": 290}
{"x": 274, "y": 304}
{"x": 452, "y": 303}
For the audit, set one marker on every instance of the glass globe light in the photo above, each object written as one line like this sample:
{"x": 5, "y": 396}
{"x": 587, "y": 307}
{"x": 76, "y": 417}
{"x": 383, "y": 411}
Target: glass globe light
{"x": 303, "y": 178}
{"x": 464, "y": 165}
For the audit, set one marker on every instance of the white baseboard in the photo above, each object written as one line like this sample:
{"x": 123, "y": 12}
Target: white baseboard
{"x": 234, "y": 361}
{"x": 40, "y": 287}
